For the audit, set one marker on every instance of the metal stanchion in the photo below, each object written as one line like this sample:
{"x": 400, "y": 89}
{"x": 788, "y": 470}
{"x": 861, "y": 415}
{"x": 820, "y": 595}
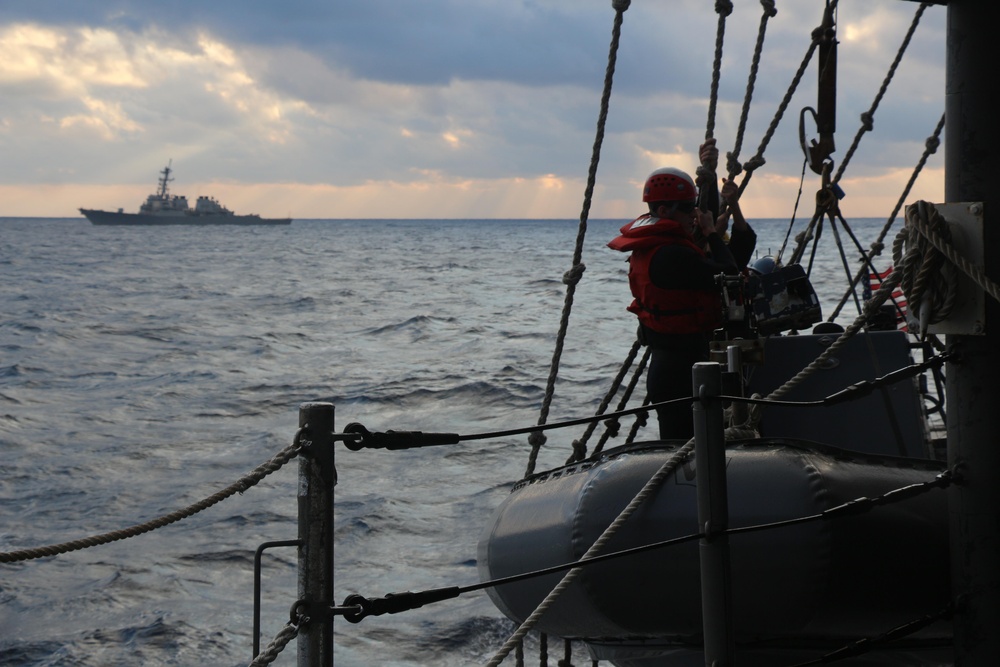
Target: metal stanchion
{"x": 713, "y": 515}
{"x": 317, "y": 477}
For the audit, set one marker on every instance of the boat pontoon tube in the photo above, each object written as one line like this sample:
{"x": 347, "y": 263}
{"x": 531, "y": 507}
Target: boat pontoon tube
{"x": 843, "y": 578}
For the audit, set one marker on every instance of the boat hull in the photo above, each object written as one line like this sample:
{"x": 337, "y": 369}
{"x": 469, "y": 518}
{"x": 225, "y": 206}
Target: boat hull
{"x": 822, "y": 583}
{"x": 143, "y": 220}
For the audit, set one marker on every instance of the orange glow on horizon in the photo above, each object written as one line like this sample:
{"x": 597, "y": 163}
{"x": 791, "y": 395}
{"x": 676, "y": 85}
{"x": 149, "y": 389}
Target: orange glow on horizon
{"x": 542, "y": 197}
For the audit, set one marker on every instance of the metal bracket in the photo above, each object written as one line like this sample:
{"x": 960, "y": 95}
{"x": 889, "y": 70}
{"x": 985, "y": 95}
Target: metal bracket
{"x": 965, "y": 222}
{"x": 751, "y": 349}
{"x": 256, "y": 586}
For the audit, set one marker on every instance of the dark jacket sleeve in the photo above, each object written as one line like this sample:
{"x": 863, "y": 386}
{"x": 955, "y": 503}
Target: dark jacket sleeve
{"x": 680, "y": 267}
{"x": 741, "y": 245}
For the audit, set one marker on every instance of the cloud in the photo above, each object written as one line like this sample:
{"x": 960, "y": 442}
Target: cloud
{"x": 434, "y": 94}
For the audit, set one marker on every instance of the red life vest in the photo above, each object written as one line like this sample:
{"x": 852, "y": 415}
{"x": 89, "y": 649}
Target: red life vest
{"x": 670, "y": 311}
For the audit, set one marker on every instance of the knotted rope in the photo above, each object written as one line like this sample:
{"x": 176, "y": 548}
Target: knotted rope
{"x": 930, "y": 284}
{"x": 580, "y": 444}
{"x": 640, "y": 418}
{"x": 944, "y": 247}
{"x": 723, "y": 8}
{"x": 537, "y": 439}
{"x": 867, "y": 123}
{"x": 868, "y": 117}
{"x": 927, "y": 281}
{"x": 733, "y": 167}
{"x": 758, "y": 159}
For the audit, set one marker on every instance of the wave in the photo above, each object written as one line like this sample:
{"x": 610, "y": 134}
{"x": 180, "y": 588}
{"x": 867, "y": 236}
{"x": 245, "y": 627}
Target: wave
{"x": 231, "y": 556}
{"x": 415, "y": 392}
{"x": 416, "y": 323}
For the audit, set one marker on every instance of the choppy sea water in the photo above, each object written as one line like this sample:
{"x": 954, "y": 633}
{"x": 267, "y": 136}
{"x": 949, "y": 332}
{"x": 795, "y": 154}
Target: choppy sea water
{"x": 142, "y": 370}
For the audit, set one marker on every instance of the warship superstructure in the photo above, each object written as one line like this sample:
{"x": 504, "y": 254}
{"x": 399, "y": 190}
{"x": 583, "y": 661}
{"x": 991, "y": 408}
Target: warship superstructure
{"x": 163, "y": 208}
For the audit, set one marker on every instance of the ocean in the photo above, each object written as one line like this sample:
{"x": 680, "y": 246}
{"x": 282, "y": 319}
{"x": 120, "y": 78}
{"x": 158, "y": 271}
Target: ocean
{"x": 145, "y": 369}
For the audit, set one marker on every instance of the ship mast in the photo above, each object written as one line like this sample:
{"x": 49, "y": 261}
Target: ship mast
{"x": 972, "y": 174}
{"x": 164, "y": 179}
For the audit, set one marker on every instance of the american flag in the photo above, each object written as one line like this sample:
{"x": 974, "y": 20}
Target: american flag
{"x": 898, "y": 299}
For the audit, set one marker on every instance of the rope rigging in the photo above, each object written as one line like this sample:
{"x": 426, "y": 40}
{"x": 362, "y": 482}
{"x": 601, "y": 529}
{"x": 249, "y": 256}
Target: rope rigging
{"x": 868, "y": 118}
{"x": 930, "y": 147}
{"x": 723, "y": 7}
{"x": 705, "y": 178}
{"x": 824, "y": 41}
{"x": 916, "y": 266}
{"x": 733, "y": 166}
{"x": 758, "y": 159}
{"x": 536, "y": 440}
{"x": 580, "y": 445}
{"x": 613, "y": 426}
{"x": 826, "y": 203}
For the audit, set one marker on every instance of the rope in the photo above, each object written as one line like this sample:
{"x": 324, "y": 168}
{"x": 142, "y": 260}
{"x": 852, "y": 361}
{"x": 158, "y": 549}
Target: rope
{"x": 640, "y": 422}
{"x": 705, "y": 177}
{"x": 868, "y": 118}
{"x": 580, "y": 445}
{"x": 758, "y": 159}
{"x": 536, "y": 440}
{"x": 613, "y": 426}
{"x": 928, "y": 283}
{"x": 803, "y": 238}
{"x": 723, "y": 8}
{"x": 733, "y": 166}
{"x": 867, "y": 123}
{"x": 280, "y": 641}
{"x": 651, "y": 486}
{"x": 930, "y": 147}
{"x": 870, "y": 308}
{"x": 244, "y": 483}
{"x": 943, "y": 246}
{"x": 795, "y": 212}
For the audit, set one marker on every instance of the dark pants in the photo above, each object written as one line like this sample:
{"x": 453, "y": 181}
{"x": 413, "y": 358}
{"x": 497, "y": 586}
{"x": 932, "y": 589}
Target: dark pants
{"x": 669, "y": 377}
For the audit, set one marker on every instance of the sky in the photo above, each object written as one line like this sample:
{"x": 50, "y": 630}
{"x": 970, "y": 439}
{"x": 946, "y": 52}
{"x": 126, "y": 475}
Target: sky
{"x": 442, "y": 108}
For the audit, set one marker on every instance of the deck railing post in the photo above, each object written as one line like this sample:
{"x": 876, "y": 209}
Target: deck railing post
{"x": 317, "y": 477}
{"x": 734, "y": 361}
{"x": 713, "y": 514}
{"x": 972, "y": 143}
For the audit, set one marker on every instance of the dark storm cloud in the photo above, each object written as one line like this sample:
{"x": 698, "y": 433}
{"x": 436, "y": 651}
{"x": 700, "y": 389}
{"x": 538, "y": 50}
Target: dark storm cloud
{"x": 423, "y": 42}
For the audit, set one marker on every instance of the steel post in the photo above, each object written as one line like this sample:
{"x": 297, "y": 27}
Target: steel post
{"x": 734, "y": 361}
{"x": 317, "y": 477}
{"x": 713, "y": 515}
{"x": 972, "y": 172}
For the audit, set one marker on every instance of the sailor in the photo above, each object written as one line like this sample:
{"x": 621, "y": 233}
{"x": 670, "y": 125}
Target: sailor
{"x": 677, "y": 252}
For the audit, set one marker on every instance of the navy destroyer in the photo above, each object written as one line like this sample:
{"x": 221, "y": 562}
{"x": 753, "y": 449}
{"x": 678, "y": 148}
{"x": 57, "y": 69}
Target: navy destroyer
{"x": 163, "y": 208}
